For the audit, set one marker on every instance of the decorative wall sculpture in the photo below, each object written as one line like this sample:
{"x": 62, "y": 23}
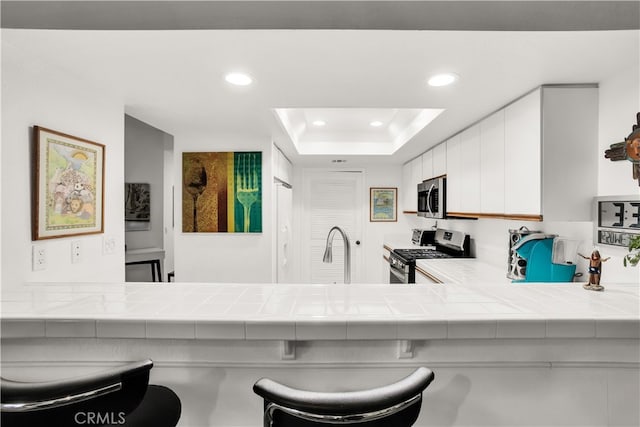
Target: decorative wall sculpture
{"x": 222, "y": 192}
{"x": 629, "y": 150}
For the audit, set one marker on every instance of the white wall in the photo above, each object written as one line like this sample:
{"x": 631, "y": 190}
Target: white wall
{"x": 619, "y": 103}
{"x": 375, "y": 266}
{"x": 224, "y": 257}
{"x": 36, "y": 93}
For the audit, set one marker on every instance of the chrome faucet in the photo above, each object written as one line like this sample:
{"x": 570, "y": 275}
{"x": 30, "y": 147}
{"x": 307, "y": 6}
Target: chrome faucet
{"x": 328, "y": 252}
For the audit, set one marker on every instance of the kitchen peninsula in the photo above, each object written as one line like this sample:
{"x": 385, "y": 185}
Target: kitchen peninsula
{"x": 503, "y": 354}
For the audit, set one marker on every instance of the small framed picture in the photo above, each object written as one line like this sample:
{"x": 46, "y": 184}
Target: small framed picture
{"x": 383, "y": 204}
{"x": 68, "y": 188}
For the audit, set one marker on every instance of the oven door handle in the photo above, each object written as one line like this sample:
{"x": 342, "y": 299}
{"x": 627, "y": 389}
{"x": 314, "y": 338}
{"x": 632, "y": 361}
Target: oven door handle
{"x": 429, "y": 199}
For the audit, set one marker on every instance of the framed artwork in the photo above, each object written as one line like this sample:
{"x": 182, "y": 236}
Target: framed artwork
{"x": 137, "y": 206}
{"x": 383, "y": 204}
{"x": 68, "y": 186}
{"x": 222, "y": 192}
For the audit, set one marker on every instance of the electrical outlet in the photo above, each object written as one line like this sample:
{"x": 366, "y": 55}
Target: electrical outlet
{"x": 38, "y": 258}
{"x": 76, "y": 252}
{"x": 108, "y": 245}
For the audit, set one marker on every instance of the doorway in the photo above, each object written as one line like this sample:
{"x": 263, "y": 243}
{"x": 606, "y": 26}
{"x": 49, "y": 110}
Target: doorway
{"x": 332, "y": 198}
{"x": 148, "y": 164}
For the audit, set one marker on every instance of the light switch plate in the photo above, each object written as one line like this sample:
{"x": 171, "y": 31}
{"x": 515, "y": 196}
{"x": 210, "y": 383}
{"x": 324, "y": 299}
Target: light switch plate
{"x": 108, "y": 245}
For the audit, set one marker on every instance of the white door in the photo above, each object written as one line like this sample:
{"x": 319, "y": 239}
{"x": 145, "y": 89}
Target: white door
{"x": 284, "y": 271}
{"x": 332, "y": 198}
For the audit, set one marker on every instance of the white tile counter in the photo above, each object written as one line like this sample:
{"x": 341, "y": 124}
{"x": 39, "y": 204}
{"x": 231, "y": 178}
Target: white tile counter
{"x": 557, "y": 346}
{"x": 463, "y": 270}
{"x": 307, "y": 312}
{"x": 399, "y": 243}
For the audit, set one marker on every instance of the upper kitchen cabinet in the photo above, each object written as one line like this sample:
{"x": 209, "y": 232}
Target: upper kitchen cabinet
{"x": 536, "y": 158}
{"x": 492, "y": 164}
{"x": 522, "y": 154}
{"x": 470, "y": 169}
{"x": 439, "y": 159}
{"x": 455, "y": 175}
{"x": 463, "y": 173}
{"x": 430, "y": 164}
{"x": 411, "y": 177}
{"x": 551, "y": 153}
{"x": 434, "y": 162}
{"x": 427, "y": 165}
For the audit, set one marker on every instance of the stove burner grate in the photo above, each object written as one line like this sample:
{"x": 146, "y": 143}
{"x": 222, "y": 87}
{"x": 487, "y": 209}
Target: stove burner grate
{"x": 413, "y": 254}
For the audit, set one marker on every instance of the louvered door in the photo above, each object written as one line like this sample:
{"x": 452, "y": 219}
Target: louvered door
{"x": 332, "y": 198}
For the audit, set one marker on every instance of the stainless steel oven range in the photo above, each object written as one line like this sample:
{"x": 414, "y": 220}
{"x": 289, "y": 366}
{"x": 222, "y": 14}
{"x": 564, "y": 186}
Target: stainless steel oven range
{"x": 442, "y": 244}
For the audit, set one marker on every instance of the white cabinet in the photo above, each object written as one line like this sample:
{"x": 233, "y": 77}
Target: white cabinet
{"x": 463, "y": 172}
{"x": 408, "y": 196}
{"x": 427, "y": 165}
{"x": 411, "y": 177}
{"x": 492, "y": 164}
{"x": 551, "y": 153}
{"x": 439, "y": 159}
{"x": 454, "y": 175}
{"x": 470, "y": 169}
{"x": 434, "y": 162}
{"x": 522, "y": 123}
{"x": 534, "y": 159}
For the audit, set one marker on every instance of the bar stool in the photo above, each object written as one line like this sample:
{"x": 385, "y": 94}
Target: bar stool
{"x": 119, "y": 396}
{"x": 393, "y": 405}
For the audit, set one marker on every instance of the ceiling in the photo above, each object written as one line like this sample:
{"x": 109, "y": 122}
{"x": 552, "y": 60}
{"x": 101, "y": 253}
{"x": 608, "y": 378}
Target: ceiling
{"x": 352, "y": 131}
{"x": 174, "y": 80}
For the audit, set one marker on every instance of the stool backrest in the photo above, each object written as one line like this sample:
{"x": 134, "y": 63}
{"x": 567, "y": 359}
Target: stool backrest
{"x": 393, "y": 405}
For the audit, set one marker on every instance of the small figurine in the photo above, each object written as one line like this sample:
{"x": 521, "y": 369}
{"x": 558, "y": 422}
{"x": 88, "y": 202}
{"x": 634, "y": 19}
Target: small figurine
{"x": 595, "y": 270}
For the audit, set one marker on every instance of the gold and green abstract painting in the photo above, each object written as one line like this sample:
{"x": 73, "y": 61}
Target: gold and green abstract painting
{"x": 222, "y": 192}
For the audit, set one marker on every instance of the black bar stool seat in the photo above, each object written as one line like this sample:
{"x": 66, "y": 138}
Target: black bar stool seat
{"x": 120, "y": 395}
{"x": 393, "y": 405}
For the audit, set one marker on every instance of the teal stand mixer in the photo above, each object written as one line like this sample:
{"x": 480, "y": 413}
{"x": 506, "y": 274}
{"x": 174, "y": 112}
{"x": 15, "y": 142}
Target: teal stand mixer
{"x": 549, "y": 258}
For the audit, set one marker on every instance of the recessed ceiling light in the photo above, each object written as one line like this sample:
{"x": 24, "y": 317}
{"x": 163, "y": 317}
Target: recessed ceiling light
{"x": 375, "y": 123}
{"x": 319, "y": 123}
{"x": 442, "y": 79}
{"x": 238, "y": 79}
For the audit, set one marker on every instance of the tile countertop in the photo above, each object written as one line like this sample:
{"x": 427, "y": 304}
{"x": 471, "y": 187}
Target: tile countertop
{"x": 320, "y": 312}
{"x": 392, "y": 243}
{"x": 464, "y": 270}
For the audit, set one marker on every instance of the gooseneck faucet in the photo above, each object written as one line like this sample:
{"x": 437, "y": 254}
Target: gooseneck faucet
{"x": 328, "y": 252}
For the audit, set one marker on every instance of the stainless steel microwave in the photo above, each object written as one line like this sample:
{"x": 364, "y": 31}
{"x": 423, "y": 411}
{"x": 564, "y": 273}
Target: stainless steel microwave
{"x": 432, "y": 196}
